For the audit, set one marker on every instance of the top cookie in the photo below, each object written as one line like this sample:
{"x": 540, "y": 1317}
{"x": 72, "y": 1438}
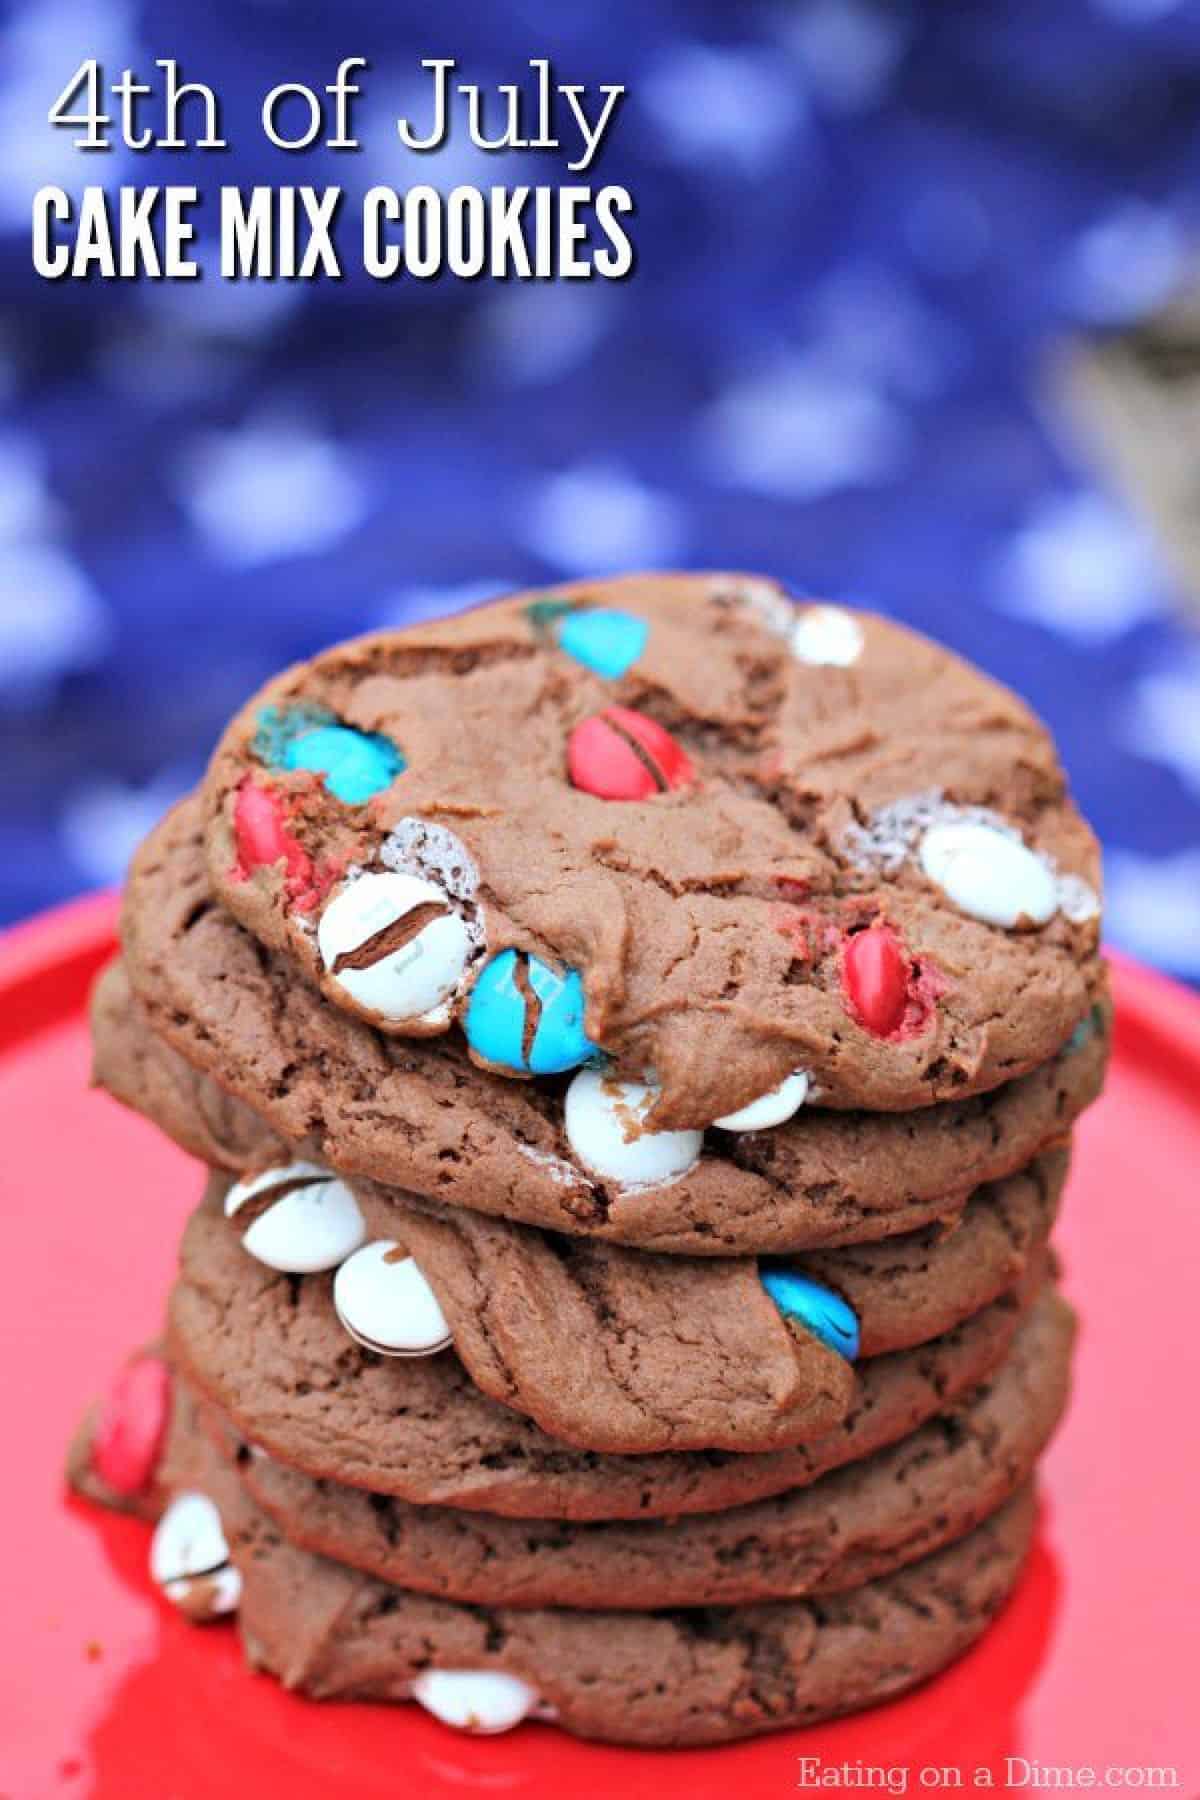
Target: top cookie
{"x": 728, "y": 844}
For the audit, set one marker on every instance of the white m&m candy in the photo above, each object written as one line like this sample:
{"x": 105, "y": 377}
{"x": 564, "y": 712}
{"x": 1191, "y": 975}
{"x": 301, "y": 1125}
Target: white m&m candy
{"x": 482, "y": 1701}
{"x": 396, "y": 945}
{"x": 827, "y": 635}
{"x": 605, "y": 1124}
{"x": 189, "y": 1559}
{"x": 300, "y": 1218}
{"x": 988, "y": 874}
{"x": 770, "y": 1109}
{"x": 386, "y": 1304}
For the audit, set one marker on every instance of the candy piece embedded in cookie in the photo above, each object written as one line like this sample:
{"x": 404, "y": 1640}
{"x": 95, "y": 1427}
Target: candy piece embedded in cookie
{"x": 613, "y": 1349}
{"x": 385, "y": 1303}
{"x": 131, "y": 1425}
{"x": 815, "y": 1308}
{"x": 297, "y": 1218}
{"x": 426, "y": 1119}
{"x": 117, "y": 1454}
{"x": 271, "y": 1353}
{"x": 189, "y": 1559}
{"x": 853, "y": 1525}
{"x": 396, "y": 947}
{"x": 679, "y": 1677}
{"x": 762, "y": 837}
{"x": 526, "y": 1018}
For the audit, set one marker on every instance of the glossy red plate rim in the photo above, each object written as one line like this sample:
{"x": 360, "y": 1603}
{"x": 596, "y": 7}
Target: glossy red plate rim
{"x": 1086, "y": 1659}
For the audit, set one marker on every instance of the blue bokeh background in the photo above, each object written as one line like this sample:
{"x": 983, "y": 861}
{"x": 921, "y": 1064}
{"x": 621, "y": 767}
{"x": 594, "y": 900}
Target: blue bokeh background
{"x": 862, "y": 232}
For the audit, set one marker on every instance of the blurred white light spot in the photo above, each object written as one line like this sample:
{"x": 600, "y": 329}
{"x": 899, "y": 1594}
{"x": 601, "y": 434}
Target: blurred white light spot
{"x": 52, "y": 621}
{"x": 1082, "y": 568}
{"x": 270, "y": 489}
{"x": 1150, "y": 907}
{"x": 103, "y": 821}
{"x": 596, "y": 517}
{"x": 26, "y": 506}
{"x": 530, "y": 332}
{"x": 732, "y": 107}
{"x": 42, "y": 45}
{"x": 798, "y": 430}
{"x": 1162, "y": 721}
{"x": 848, "y": 51}
{"x": 1125, "y": 264}
{"x": 865, "y": 321}
{"x": 407, "y": 605}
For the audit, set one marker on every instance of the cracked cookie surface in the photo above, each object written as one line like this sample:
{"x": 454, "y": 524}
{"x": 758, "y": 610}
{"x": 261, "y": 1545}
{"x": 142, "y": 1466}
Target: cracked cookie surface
{"x": 616, "y": 1350}
{"x": 700, "y": 1676}
{"x": 268, "y": 1350}
{"x": 711, "y": 919}
{"x": 199, "y": 993}
{"x": 853, "y": 1525}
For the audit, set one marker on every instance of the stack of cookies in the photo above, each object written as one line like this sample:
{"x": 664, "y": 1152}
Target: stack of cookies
{"x": 633, "y": 1034}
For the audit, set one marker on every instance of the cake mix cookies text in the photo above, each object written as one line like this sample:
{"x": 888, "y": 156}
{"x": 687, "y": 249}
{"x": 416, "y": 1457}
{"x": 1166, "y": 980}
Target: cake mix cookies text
{"x": 552, "y": 223}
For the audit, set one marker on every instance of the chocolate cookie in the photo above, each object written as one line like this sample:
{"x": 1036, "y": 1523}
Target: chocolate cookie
{"x": 269, "y": 1351}
{"x": 425, "y": 1119}
{"x": 142, "y": 1071}
{"x": 853, "y": 1525}
{"x": 660, "y": 818}
{"x": 703, "y": 1676}
{"x": 614, "y": 1349}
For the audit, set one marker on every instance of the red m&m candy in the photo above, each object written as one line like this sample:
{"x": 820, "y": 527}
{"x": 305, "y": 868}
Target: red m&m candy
{"x": 262, "y": 840}
{"x": 620, "y": 754}
{"x": 132, "y": 1425}
{"x": 875, "y": 974}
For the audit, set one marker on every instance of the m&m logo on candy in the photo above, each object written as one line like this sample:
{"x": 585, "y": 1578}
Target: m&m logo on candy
{"x": 620, "y": 754}
{"x": 523, "y": 1015}
{"x": 397, "y": 945}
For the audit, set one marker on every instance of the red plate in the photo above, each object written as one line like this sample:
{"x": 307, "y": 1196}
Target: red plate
{"x": 105, "y": 1692}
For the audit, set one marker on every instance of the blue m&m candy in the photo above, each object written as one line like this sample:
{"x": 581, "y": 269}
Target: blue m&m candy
{"x": 817, "y": 1308}
{"x": 355, "y": 764}
{"x": 497, "y": 1025}
{"x": 604, "y": 640}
